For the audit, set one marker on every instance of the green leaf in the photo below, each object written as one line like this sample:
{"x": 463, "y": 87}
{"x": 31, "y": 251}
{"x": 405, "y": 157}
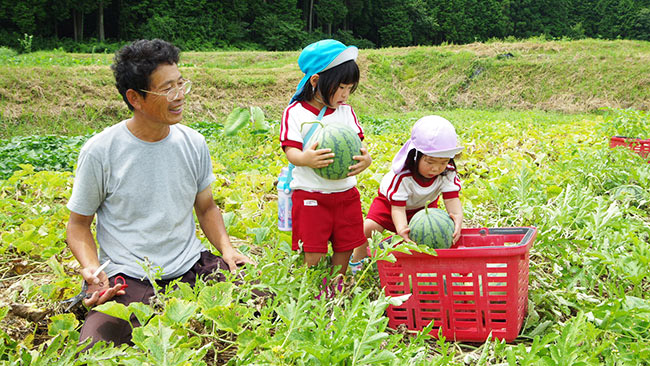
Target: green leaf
{"x": 381, "y": 357}
{"x": 228, "y": 219}
{"x": 56, "y": 267}
{"x": 260, "y": 234}
{"x": 115, "y": 309}
{"x": 229, "y": 319}
{"x": 48, "y": 290}
{"x": 236, "y": 120}
{"x": 219, "y": 294}
{"x": 179, "y": 311}
{"x": 141, "y": 311}
{"x": 62, "y": 323}
{"x": 258, "y": 119}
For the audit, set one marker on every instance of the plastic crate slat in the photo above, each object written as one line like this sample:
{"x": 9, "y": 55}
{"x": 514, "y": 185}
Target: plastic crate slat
{"x": 468, "y": 292}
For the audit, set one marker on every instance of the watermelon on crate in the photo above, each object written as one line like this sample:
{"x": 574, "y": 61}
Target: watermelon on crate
{"x": 432, "y": 227}
{"x": 344, "y": 142}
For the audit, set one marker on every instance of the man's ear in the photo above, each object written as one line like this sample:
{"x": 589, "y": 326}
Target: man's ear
{"x": 313, "y": 80}
{"x": 134, "y": 98}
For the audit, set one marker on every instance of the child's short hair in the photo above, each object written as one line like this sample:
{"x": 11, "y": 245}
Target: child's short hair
{"x": 329, "y": 80}
{"x": 134, "y": 63}
{"x": 413, "y": 159}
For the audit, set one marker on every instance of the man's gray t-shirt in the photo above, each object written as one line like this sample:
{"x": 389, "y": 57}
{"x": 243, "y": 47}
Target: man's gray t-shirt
{"x": 143, "y": 194}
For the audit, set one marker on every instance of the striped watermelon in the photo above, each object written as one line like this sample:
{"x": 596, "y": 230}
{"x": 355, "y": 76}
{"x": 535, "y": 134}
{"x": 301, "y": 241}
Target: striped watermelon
{"x": 344, "y": 142}
{"x": 432, "y": 227}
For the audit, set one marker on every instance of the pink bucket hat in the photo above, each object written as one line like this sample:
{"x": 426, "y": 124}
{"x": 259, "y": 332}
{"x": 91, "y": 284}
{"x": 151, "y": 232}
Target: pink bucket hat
{"x": 431, "y": 135}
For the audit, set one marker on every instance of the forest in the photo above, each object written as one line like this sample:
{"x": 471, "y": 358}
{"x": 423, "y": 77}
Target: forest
{"x": 280, "y": 25}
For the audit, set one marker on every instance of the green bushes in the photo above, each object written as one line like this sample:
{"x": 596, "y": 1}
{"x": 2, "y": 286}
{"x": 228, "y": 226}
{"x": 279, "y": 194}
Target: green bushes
{"x": 56, "y": 153}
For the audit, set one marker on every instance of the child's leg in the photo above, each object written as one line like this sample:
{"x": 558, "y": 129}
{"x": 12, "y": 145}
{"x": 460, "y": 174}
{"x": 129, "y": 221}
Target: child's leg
{"x": 369, "y": 227}
{"x": 312, "y": 259}
{"x": 341, "y": 259}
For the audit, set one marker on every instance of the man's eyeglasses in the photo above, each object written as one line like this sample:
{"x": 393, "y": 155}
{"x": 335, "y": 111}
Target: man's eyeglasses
{"x": 175, "y": 91}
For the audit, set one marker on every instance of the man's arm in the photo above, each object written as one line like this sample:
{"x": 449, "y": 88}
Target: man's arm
{"x": 82, "y": 245}
{"x": 80, "y": 240}
{"x": 211, "y": 222}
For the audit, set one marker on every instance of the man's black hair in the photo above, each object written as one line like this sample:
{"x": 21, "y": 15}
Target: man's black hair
{"x": 329, "y": 81}
{"x": 134, "y": 63}
{"x": 413, "y": 160}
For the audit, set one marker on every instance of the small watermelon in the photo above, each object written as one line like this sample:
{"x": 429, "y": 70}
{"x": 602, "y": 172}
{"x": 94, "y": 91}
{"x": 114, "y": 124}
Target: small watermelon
{"x": 630, "y": 192}
{"x": 432, "y": 227}
{"x": 344, "y": 142}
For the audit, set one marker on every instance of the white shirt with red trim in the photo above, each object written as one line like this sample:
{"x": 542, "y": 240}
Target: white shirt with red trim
{"x": 292, "y": 133}
{"x": 404, "y": 189}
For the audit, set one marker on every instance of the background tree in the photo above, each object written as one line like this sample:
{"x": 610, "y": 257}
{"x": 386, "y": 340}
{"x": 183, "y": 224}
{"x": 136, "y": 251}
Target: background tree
{"x": 79, "y": 10}
{"x": 291, "y": 24}
{"x": 279, "y": 26}
{"x": 641, "y": 25}
{"x": 617, "y": 18}
{"x": 394, "y": 24}
{"x": 100, "y": 19}
{"x": 27, "y": 16}
{"x": 330, "y": 12}
{"x": 425, "y": 23}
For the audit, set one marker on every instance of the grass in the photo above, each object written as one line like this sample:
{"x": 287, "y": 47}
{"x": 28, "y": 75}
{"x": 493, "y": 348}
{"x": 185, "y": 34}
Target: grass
{"x": 47, "y": 92}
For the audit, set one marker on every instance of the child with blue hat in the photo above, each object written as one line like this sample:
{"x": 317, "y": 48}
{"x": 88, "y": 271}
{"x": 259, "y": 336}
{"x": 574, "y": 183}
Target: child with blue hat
{"x": 324, "y": 209}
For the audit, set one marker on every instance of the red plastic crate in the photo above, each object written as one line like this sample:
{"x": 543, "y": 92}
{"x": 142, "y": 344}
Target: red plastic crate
{"x": 639, "y": 146}
{"x": 478, "y": 286}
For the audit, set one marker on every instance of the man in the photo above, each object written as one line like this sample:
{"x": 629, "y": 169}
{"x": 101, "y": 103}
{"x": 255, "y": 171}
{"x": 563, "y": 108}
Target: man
{"x": 143, "y": 177}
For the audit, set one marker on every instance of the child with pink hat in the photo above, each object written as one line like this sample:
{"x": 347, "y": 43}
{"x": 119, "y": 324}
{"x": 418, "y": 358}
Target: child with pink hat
{"x": 323, "y": 210}
{"x": 422, "y": 170}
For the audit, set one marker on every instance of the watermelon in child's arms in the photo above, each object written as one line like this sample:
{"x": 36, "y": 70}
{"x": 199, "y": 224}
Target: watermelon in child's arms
{"x": 432, "y": 227}
{"x": 344, "y": 142}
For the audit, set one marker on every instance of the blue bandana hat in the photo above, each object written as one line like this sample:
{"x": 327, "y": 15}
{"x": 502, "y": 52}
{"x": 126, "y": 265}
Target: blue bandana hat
{"x": 320, "y": 56}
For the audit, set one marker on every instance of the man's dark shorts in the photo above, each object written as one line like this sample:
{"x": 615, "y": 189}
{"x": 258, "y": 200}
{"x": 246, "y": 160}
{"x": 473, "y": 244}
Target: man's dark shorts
{"x": 102, "y": 327}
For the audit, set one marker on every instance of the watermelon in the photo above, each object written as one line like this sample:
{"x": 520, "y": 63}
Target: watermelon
{"x": 432, "y": 227}
{"x": 344, "y": 142}
{"x": 630, "y": 192}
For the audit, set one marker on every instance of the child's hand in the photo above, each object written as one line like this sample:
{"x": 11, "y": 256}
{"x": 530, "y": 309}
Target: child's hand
{"x": 456, "y": 233}
{"x": 404, "y": 233}
{"x": 317, "y": 158}
{"x": 364, "y": 162}
{"x": 458, "y": 224}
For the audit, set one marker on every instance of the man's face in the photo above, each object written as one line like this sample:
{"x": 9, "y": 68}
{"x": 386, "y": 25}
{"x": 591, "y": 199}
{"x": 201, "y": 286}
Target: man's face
{"x": 156, "y": 107}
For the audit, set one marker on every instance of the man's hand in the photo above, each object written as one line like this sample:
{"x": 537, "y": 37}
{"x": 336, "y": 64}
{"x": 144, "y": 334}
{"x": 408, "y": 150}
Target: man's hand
{"x": 99, "y": 288}
{"x": 364, "y": 162}
{"x": 234, "y": 258}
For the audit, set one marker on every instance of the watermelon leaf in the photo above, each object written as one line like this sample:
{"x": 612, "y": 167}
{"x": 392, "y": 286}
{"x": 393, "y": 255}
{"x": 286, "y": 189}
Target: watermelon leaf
{"x": 236, "y": 120}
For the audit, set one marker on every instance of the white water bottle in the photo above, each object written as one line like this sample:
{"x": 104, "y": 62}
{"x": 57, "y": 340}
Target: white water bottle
{"x": 284, "y": 201}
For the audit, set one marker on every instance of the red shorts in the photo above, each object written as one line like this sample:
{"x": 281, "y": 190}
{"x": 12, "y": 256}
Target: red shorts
{"x": 322, "y": 217}
{"x": 379, "y": 212}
